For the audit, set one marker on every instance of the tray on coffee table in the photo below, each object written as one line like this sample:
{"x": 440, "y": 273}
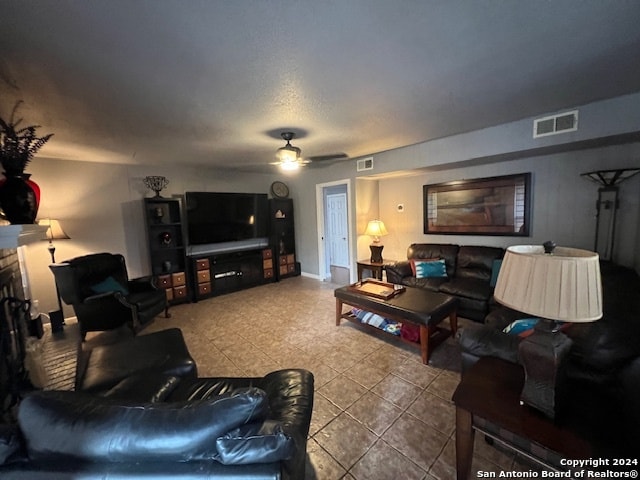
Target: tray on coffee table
{"x": 377, "y": 289}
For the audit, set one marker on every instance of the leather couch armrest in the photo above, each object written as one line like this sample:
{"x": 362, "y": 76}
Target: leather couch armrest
{"x": 141, "y": 284}
{"x": 397, "y": 271}
{"x": 290, "y": 394}
{"x": 483, "y": 341}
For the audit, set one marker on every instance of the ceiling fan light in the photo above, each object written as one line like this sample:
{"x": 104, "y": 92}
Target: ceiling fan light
{"x": 288, "y": 153}
{"x": 289, "y": 165}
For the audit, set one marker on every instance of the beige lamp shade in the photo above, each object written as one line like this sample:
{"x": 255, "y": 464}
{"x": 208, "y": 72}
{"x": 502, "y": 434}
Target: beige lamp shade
{"x": 55, "y": 231}
{"x": 376, "y": 229}
{"x": 564, "y": 285}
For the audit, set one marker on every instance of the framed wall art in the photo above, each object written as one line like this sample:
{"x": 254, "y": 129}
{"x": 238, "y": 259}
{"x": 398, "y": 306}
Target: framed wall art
{"x": 483, "y": 206}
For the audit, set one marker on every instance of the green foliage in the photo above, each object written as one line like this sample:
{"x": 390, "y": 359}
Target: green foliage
{"x": 18, "y": 145}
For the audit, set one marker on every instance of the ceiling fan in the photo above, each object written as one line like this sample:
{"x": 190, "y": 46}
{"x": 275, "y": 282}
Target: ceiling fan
{"x": 289, "y": 157}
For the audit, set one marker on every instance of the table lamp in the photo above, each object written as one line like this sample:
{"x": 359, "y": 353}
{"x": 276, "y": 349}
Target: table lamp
{"x": 55, "y": 232}
{"x": 376, "y": 229}
{"x": 557, "y": 285}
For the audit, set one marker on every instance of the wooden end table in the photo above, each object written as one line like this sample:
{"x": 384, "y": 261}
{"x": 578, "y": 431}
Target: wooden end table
{"x": 490, "y": 390}
{"x": 375, "y": 268}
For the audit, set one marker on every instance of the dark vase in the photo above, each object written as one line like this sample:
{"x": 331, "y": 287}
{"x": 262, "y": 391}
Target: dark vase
{"x": 19, "y": 199}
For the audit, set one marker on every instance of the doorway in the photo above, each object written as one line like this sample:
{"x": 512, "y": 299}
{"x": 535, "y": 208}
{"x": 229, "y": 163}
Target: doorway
{"x": 334, "y": 225}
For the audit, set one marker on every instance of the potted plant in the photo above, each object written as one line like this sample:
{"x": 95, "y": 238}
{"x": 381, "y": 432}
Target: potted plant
{"x": 19, "y": 197}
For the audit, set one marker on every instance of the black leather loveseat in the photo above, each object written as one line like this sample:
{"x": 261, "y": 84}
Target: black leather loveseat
{"x": 469, "y": 273}
{"x": 599, "y": 389}
{"x": 140, "y": 411}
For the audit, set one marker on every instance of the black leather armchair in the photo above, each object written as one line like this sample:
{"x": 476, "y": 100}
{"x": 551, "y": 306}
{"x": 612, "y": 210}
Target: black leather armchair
{"x": 103, "y": 297}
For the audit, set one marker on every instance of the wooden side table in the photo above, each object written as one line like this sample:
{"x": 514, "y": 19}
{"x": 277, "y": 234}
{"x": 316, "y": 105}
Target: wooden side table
{"x": 490, "y": 392}
{"x": 376, "y": 269}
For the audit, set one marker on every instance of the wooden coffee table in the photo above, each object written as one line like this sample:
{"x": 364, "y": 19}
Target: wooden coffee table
{"x": 413, "y": 305}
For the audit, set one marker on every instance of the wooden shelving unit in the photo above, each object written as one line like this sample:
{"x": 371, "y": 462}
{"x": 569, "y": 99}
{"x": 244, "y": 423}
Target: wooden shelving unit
{"x": 165, "y": 239}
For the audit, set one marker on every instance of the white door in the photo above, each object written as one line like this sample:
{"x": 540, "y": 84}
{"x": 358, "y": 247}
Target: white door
{"x": 337, "y": 229}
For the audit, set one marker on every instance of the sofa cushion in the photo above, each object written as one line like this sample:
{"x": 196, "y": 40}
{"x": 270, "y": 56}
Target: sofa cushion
{"x": 109, "y": 284}
{"x": 495, "y": 271}
{"x": 144, "y": 387}
{"x": 429, "y": 268}
{"x": 94, "y": 268}
{"x": 94, "y": 428}
{"x": 257, "y": 442}
{"x": 472, "y": 288}
{"x": 483, "y": 341}
{"x": 413, "y": 264}
{"x": 447, "y": 252}
{"x": 159, "y": 352}
{"x": 522, "y": 327}
{"x": 431, "y": 283}
{"x": 477, "y": 262}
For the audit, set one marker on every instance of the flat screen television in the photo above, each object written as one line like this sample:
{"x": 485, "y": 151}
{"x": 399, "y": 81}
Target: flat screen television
{"x": 226, "y": 220}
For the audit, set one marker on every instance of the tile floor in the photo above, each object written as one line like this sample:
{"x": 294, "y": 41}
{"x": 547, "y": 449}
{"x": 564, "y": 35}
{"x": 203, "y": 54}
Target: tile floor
{"x": 379, "y": 413}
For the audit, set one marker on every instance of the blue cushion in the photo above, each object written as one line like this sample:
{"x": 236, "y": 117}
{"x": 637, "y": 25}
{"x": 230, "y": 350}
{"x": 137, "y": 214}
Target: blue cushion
{"x": 520, "y": 327}
{"x": 430, "y": 269}
{"x": 495, "y": 270}
{"x": 109, "y": 284}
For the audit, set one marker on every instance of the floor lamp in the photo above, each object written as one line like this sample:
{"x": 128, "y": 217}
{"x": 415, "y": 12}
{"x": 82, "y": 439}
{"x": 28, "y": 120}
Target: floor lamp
{"x": 607, "y": 206}
{"x": 55, "y": 232}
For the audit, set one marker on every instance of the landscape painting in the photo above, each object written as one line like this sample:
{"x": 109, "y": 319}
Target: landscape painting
{"x": 484, "y": 206}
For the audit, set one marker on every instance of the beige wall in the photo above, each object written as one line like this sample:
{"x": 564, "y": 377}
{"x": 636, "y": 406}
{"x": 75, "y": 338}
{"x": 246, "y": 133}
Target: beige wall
{"x": 563, "y": 202}
{"x": 367, "y": 208}
{"x": 100, "y": 207}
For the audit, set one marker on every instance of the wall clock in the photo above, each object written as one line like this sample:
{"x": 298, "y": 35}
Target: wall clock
{"x": 279, "y": 190}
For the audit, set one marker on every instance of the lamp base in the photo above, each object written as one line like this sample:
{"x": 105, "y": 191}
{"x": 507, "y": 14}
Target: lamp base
{"x": 57, "y": 320}
{"x": 541, "y": 354}
{"x": 376, "y": 253}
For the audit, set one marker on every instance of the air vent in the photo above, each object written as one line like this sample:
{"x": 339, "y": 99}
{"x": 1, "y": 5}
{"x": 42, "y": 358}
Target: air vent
{"x": 555, "y": 124}
{"x": 364, "y": 164}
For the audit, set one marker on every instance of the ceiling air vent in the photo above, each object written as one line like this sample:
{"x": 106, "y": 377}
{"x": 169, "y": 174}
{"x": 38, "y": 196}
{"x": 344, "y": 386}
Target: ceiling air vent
{"x": 364, "y": 164}
{"x": 555, "y": 124}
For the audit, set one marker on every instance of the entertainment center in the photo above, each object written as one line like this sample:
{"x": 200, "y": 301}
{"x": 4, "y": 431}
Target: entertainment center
{"x": 203, "y": 244}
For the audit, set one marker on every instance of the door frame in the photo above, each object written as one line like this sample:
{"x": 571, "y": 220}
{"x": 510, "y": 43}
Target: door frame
{"x": 320, "y": 215}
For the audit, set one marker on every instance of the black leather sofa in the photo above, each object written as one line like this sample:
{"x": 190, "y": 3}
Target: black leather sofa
{"x": 140, "y": 411}
{"x": 469, "y": 273}
{"x": 599, "y": 387}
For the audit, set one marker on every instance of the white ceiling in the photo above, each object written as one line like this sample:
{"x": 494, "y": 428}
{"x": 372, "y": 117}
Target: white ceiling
{"x": 214, "y": 82}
